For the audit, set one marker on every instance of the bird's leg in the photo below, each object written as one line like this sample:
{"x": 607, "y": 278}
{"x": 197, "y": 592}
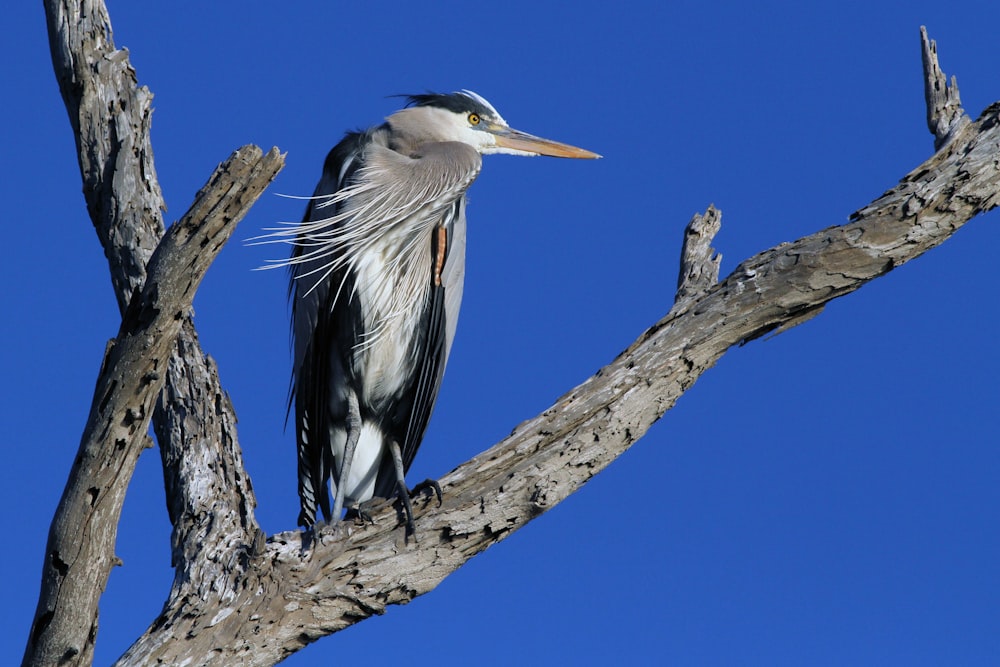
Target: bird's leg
{"x": 353, "y": 424}
{"x": 402, "y": 491}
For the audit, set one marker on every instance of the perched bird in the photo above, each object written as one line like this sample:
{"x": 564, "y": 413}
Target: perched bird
{"x": 377, "y": 271}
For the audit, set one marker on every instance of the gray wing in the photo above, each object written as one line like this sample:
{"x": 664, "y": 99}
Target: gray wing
{"x": 317, "y": 372}
{"x": 453, "y": 277}
{"x": 438, "y": 325}
{"x": 371, "y": 198}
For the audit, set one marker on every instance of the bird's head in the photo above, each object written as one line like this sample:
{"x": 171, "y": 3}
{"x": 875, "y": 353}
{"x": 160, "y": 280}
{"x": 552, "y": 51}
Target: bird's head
{"x": 468, "y": 118}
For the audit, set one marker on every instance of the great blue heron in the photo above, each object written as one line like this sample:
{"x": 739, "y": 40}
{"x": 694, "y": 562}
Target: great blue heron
{"x": 376, "y": 283}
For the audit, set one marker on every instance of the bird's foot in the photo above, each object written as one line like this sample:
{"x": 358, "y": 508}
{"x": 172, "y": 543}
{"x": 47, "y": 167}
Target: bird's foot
{"x": 308, "y": 539}
{"x": 362, "y": 512}
{"x": 422, "y": 487}
{"x": 428, "y": 485}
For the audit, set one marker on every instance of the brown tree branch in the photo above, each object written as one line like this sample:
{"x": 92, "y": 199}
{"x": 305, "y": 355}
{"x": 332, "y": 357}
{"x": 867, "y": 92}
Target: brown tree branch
{"x": 237, "y": 601}
{"x": 699, "y": 261}
{"x": 294, "y": 593}
{"x": 945, "y": 115}
{"x": 110, "y": 115}
{"x": 80, "y": 550}
{"x": 194, "y": 422}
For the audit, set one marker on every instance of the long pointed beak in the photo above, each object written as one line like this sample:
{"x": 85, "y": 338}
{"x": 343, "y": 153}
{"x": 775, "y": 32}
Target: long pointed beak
{"x": 528, "y": 143}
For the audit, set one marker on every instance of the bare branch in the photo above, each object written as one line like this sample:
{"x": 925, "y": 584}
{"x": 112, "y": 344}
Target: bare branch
{"x": 293, "y": 596}
{"x": 80, "y": 550}
{"x": 238, "y": 601}
{"x": 111, "y": 115}
{"x": 194, "y": 421}
{"x": 699, "y": 261}
{"x": 945, "y": 116}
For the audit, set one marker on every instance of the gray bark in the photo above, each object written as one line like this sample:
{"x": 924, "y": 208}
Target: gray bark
{"x": 110, "y": 116}
{"x": 238, "y": 599}
{"x": 80, "y": 550}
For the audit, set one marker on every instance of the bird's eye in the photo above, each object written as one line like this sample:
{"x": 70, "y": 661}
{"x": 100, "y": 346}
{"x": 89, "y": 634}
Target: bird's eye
{"x": 474, "y": 119}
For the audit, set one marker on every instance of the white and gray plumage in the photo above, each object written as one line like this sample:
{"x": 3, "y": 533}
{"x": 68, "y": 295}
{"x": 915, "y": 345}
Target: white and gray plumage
{"x": 376, "y": 282}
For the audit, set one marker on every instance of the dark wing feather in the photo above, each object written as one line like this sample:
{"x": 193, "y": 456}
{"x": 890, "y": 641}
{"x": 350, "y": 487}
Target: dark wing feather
{"x": 312, "y": 333}
{"x": 311, "y": 399}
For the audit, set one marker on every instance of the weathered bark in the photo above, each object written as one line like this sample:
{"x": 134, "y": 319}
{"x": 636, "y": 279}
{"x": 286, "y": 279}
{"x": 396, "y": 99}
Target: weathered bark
{"x": 292, "y": 597}
{"x": 699, "y": 261}
{"x": 80, "y": 550}
{"x": 945, "y": 116}
{"x": 236, "y": 600}
{"x": 110, "y": 116}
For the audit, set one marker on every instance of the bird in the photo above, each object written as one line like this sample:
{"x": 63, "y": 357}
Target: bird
{"x": 376, "y": 277}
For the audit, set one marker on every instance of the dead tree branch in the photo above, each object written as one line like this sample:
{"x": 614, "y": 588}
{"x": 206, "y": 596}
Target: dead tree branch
{"x": 80, "y": 551}
{"x": 236, "y": 600}
{"x": 945, "y": 116}
{"x": 110, "y": 115}
{"x": 699, "y": 261}
{"x": 293, "y": 595}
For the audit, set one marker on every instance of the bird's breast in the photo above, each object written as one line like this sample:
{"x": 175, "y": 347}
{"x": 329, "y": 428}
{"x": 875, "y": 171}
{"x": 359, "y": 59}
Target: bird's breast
{"x": 392, "y": 289}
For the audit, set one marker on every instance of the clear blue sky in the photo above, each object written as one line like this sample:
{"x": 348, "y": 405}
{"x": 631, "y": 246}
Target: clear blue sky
{"x": 829, "y": 496}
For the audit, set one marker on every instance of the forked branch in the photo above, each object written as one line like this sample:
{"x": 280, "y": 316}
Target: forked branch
{"x": 80, "y": 550}
{"x": 237, "y": 600}
{"x": 110, "y": 115}
{"x": 295, "y": 592}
